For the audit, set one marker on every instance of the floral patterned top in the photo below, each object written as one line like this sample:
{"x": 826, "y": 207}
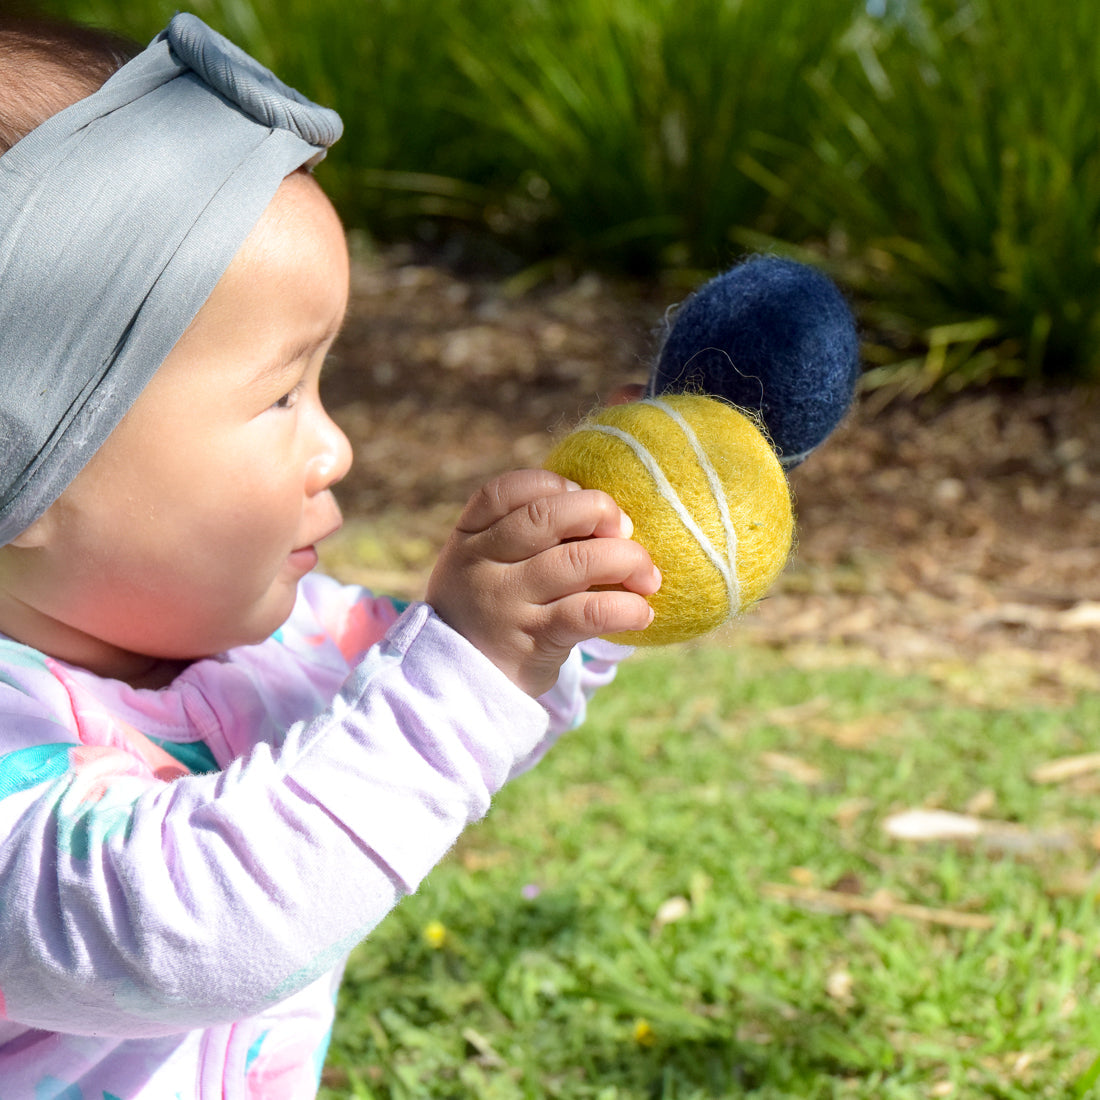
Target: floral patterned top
{"x": 184, "y": 870}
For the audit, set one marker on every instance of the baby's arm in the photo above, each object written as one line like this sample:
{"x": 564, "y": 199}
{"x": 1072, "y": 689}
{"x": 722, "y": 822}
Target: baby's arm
{"x": 131, "y": 906}
{"x": 516, "y": 578}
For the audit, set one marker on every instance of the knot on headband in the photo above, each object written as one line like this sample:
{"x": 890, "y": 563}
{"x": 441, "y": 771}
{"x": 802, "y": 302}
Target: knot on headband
{"x": 118, "y": 215}
{"x": 244, "y": 81}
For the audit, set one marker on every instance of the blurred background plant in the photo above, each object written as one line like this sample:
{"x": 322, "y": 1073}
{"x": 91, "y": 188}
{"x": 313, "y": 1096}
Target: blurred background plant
{"x": 939, "y": 157}
{"x": 965, "y": 178}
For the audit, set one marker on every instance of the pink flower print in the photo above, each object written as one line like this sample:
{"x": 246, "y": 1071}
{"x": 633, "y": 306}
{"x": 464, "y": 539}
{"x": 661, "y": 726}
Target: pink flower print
{"x": 362, "y": 625}
{"x": 96, "y": 769}
{"x": 96, "y": 725}
{"x": 98, "y": 805}
{"x": 283, "y": 1073}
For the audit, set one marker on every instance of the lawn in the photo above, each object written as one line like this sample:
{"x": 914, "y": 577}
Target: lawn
{"x": 701, "y": 893}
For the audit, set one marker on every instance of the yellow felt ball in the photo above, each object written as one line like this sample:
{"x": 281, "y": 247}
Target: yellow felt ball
{"x": 707, "y": 497}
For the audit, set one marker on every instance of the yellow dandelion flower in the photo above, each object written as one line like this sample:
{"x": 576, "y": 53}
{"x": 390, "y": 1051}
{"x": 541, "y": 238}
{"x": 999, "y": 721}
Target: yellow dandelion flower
{"x": 644, "y": 1035}
{"x": 435, "y": 934}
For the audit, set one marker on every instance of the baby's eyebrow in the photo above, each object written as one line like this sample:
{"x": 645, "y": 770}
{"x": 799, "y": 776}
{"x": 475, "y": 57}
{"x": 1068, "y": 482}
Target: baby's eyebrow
{"x": 300, "y": 349}
{"x": 292, "y": 353}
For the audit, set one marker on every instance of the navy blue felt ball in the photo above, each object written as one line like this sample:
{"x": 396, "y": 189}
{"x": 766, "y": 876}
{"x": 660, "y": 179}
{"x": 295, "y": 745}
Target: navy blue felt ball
{"x": 772, "y": 336}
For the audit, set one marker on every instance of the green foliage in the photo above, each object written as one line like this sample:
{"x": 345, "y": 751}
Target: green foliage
{"x": 640, "y": 121}
{"x": 625, "y": 131}
{"x": 609, "y": 931}
{"x": 940, "y": 156}
{"x": 966, "y": 174}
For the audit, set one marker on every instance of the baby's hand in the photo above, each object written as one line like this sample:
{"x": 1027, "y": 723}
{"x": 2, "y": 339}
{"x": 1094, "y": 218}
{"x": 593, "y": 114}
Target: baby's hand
{"x": 515, "y": 576}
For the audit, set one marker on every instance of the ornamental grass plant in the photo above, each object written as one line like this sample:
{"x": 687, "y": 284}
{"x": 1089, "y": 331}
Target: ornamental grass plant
{"x": 964, "y": 180}
{"x": 938, "y": 156}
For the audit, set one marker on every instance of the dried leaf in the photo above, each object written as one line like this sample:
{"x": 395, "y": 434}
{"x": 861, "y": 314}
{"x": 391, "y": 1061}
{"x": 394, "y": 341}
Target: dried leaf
{"x": 881, "y": 905}
{"x": 933, "y": 825}
{"x": 846, "y": 813}
{"x": 670, "y": 911}
{"x": 486, "y": 1055}
{"x": 792, "y": 767}
{"x": 798, "y": 712}
{"x": 838, "y": 985}
{"x": 1082, "y": 616}
{"x": 982, "y": 802}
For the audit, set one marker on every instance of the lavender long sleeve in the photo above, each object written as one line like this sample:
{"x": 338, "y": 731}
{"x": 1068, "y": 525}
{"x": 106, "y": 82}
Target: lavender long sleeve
{"x": 174, "y": 936}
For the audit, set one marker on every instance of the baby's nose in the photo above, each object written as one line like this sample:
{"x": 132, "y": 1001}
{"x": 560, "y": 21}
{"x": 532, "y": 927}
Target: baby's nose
{"x": 332, "y": 459}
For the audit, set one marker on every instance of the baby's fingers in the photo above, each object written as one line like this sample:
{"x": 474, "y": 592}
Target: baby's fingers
{"x": 575, "y": 567}
{"x": 505, "y": 495}
{"x": 533, "y": 514}
{"x": 592, "y": 614}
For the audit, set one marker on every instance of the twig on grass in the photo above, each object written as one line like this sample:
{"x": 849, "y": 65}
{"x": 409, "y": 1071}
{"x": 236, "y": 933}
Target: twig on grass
{"x": 1066, "y": 768}
{"x": 878, "y": 906}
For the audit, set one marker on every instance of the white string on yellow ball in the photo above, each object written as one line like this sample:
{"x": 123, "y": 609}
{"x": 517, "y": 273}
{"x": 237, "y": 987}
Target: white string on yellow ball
{"x": 707, "y": 497}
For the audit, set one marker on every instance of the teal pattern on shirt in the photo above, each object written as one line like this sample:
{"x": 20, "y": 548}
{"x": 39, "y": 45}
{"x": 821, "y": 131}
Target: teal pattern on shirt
{"x": 193, "y": 755}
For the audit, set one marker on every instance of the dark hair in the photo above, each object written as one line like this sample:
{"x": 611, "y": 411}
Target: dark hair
{"x": 47, "y": 65}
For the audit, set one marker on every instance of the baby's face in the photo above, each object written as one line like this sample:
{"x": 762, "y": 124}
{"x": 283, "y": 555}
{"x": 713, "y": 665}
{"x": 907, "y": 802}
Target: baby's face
{"x": 189, "y": 530}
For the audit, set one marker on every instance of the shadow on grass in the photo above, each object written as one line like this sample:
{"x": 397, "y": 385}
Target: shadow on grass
{"x": 799, "y": 1056}
{"x": 536, "y": 1000}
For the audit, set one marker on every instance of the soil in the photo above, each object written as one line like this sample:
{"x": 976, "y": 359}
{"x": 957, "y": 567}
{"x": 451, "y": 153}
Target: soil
{"x": 953, "y": 533}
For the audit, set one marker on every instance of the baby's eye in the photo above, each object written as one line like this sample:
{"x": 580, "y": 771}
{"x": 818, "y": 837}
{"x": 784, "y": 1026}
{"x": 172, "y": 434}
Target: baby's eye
{"x": 289, "y": 399}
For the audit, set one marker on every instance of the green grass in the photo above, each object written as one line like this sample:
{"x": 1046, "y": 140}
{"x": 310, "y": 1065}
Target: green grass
{"x": 609, "y": 931}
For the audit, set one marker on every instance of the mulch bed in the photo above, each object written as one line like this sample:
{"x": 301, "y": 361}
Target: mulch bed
{"x": 942, "y": 530}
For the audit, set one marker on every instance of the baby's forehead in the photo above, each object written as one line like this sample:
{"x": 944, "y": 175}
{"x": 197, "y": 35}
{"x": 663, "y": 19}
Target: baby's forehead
{"x": 297, "y": 237}
{"x": 278, "y": 307}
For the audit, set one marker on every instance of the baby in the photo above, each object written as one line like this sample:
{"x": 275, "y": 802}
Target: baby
{"x": 218, "y": 770}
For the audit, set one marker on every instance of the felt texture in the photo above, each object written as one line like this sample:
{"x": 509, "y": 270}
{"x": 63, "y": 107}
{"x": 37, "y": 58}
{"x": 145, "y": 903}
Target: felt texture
{"x": 118, "y": 215}
{"x": 772, "y": 336}
{"x": 753, "y": 538}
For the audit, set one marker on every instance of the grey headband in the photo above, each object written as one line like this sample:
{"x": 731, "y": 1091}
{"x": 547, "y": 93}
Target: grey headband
{"x": 117, "y": 217}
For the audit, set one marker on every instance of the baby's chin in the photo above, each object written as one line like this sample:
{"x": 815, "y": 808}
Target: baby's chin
{"x": 211, "y": 635}
{"x": 217, "y": 643}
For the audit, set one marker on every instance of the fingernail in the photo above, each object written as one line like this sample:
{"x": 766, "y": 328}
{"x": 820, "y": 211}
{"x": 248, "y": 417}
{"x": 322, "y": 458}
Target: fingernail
{"x": 652, "y": 616}
{"x": 657, "y": 576}
{"x": 626, "y": 525}
{"x": 571, "y": 486}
